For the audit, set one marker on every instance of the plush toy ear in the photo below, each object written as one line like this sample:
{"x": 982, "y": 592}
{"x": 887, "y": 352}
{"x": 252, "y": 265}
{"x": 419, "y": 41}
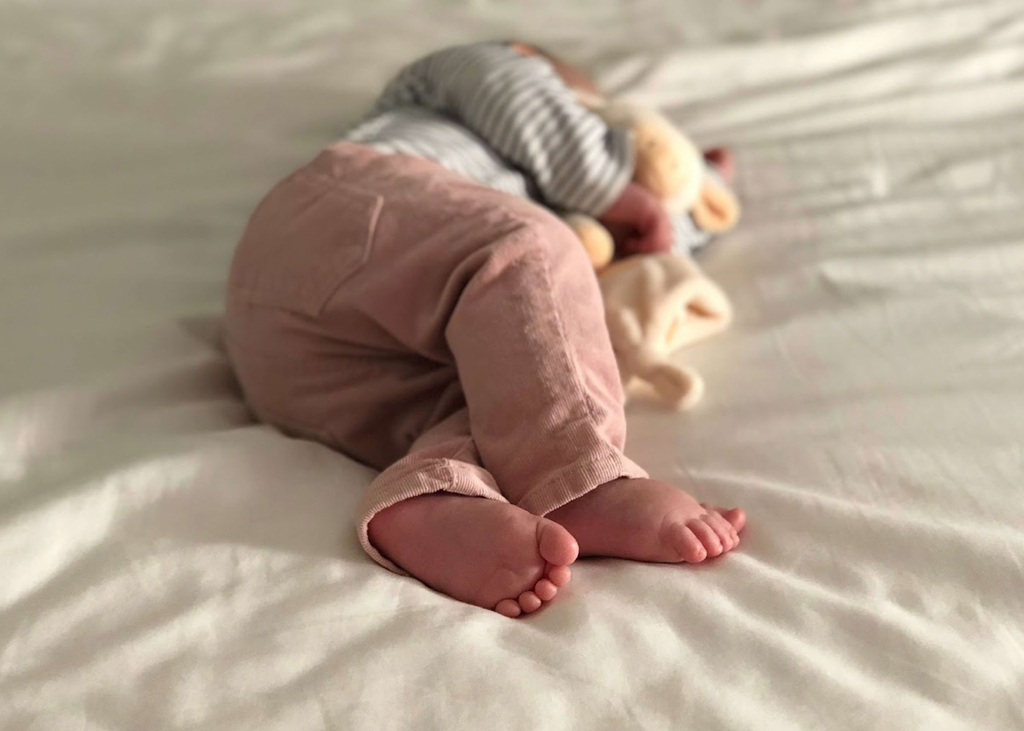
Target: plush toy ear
{"x": 678, "y": 386}
{"x": 716, "y": 209}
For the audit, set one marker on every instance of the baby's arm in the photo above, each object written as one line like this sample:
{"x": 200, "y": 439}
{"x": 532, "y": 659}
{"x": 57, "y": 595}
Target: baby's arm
{"x": 523, "y": 110}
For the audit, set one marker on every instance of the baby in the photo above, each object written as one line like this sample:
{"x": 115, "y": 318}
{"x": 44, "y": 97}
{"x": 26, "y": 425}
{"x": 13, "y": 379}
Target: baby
{"x": 403, "y": 298}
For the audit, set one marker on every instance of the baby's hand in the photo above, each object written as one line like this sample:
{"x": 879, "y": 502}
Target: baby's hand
{"x": 639, "y": 223}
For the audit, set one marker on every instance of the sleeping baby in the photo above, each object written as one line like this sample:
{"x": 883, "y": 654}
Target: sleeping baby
{"x": 409, "y": 299}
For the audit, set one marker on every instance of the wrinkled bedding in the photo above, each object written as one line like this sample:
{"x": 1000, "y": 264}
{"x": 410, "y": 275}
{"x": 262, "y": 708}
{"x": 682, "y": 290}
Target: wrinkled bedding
{"x": 168, "y": 564}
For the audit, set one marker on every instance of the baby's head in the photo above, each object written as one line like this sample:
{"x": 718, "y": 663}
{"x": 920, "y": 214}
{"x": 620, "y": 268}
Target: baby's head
{"x": 573, "y": 76}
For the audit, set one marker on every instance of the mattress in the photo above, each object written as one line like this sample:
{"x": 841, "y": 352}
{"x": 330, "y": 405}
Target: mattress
{"x": 169, "y": 564}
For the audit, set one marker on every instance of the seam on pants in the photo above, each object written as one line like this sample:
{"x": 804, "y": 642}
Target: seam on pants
{"x": 462, "y": 449}
{"x": 581, "y": 476}
{"x": 557, "y": 490}
{"x": 570, "y": 357}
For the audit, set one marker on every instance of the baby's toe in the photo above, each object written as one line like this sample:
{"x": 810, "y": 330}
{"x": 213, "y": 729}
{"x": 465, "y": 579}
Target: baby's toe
{"x": 545, "y": 589}
{"x": 706, "y": 536}
{"x": 509, "y": 608}
{"x": 555, "y": 544}
{"x": 529, "y": 601}
{"x": 686, "y": 543}
{"x": 559, "y": 576}
{"x": 726, "y": 535}
{"x": 734, "y": 516}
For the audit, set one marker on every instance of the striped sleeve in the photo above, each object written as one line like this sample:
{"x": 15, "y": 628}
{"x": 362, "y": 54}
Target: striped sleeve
{"x": 521, "y": 108}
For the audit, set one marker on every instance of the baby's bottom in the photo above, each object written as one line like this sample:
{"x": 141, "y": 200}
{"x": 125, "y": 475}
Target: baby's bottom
{"x": 430, "y": 327}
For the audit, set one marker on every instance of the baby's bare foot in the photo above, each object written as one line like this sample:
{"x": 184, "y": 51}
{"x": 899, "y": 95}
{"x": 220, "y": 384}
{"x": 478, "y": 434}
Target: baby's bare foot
{"x": 649, "y": 520}
{"x": 479, "y": 551}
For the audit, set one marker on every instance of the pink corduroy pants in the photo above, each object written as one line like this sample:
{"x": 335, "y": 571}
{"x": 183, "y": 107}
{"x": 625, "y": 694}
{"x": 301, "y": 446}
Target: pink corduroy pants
{"x": 449, "y": 335}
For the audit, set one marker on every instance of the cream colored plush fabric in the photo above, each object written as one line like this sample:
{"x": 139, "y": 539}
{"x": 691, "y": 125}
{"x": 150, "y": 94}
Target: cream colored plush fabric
{"x": 655, "y": 305}
{"x": 168, "y": 565}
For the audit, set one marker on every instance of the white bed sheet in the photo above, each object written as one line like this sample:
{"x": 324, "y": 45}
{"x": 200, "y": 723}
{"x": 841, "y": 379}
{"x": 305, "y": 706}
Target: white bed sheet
{"x": 169, "y": 565}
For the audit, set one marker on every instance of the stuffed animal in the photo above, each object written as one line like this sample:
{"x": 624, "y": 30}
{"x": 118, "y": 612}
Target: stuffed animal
{"x": 669, "y": 165}
{"x": 656, "y": 304}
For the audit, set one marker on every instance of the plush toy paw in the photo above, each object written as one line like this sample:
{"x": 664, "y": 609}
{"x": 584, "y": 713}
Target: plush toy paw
{"x": 677, "y": 386}
{"x": 596, "y": 240}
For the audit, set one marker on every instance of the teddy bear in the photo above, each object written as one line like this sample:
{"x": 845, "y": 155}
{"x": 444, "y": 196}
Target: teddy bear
{"x": 656, "y": 304}
{"x": 668, "y": 164}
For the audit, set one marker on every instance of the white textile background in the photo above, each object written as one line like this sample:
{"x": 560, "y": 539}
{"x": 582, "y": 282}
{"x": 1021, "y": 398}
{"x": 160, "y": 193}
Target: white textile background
{"x": 169, "y": 565}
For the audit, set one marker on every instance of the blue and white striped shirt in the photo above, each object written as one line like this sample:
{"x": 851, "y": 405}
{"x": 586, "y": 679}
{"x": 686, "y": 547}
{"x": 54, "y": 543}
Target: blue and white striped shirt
{"x": 505, "y": 120}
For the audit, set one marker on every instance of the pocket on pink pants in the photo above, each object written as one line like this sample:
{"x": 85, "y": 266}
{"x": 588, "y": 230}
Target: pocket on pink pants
{"x": 307, "y": 236}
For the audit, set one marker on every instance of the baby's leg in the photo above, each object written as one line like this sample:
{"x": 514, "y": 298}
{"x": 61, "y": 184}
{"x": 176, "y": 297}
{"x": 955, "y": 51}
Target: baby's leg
{"x": 373, "y": 298}
{"x": 337, "y": 304}
{"x": 546, "y": 405}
